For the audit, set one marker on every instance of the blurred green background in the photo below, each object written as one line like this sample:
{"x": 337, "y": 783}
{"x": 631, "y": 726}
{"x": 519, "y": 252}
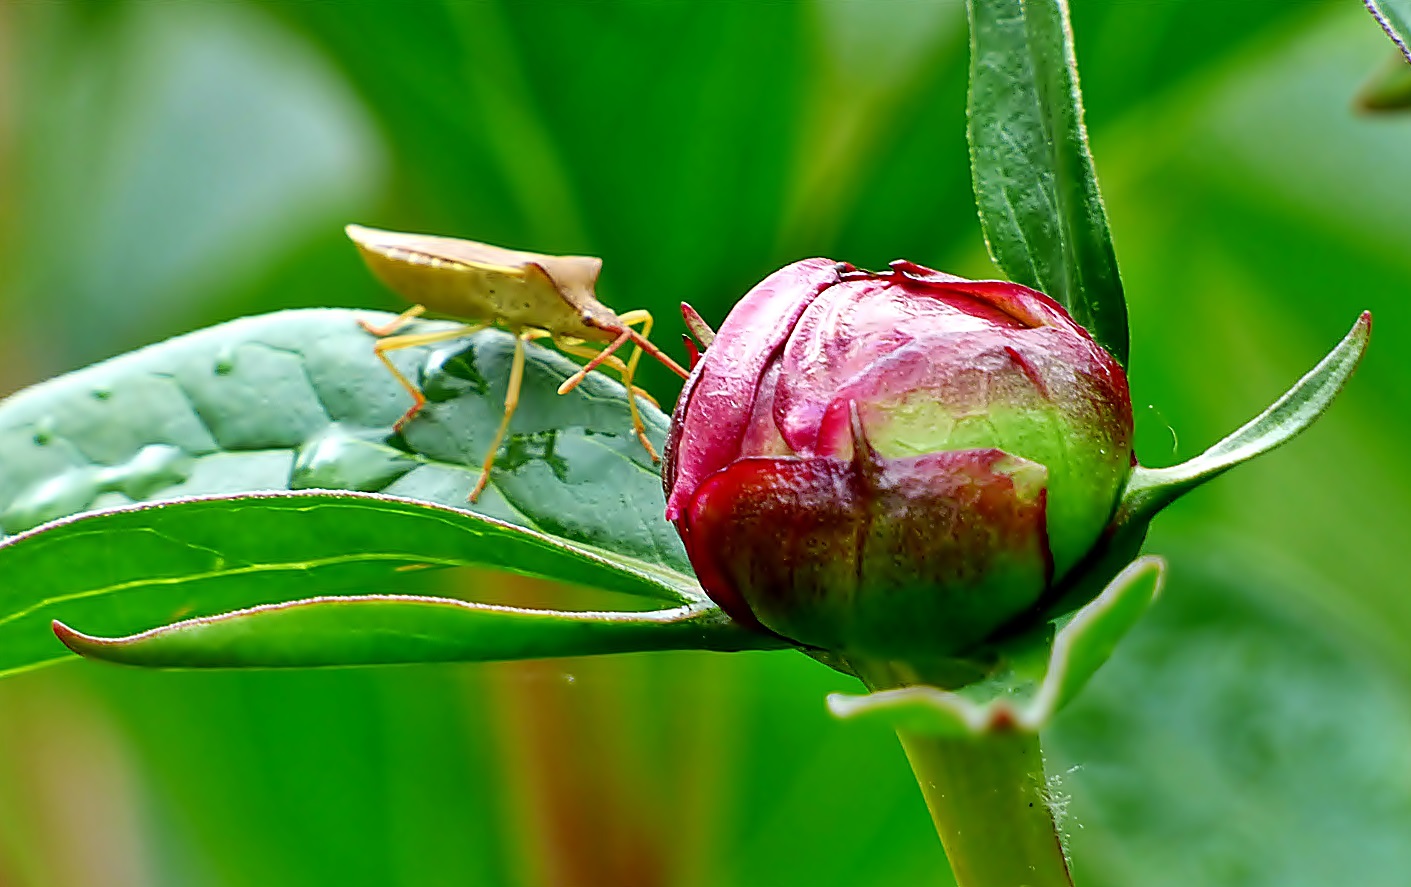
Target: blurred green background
{"x": 164, "y": 166}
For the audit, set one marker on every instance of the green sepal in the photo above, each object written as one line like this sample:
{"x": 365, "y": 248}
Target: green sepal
{"x": 1151, "y": 489}
{"x": 1021, "y": 699}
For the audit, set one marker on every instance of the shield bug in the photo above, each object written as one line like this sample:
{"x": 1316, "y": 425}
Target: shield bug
{"x": 531, "y": 295}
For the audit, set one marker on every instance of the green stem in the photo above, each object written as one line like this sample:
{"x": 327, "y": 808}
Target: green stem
{"x": 986, "y": 796}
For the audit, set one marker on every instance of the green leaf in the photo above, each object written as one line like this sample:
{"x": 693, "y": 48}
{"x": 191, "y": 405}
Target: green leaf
{"x": 1035, "y": 186}
{"x": 1014, "y": 701}
{"x": 295, "y": 401}
{"x": 1395, "y": 18}
{"x": 1389, "y": 87}
{"x": 128, "y": 570}
{"x": 1151, "y": 489}
{"x": 397, "y": 629}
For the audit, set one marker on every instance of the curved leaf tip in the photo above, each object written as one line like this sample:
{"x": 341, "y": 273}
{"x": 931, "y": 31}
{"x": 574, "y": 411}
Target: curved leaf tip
{"x": 76, "y": 641}
{"x": 1152, "y": 489}
{"x": 380, "y": 629}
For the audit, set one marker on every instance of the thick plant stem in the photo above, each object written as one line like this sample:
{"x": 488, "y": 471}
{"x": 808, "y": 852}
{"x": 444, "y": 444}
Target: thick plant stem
{"x": 986, "y": 796}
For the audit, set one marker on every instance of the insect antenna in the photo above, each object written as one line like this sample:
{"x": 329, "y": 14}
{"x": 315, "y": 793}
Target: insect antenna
{"x": 642, "y": 342}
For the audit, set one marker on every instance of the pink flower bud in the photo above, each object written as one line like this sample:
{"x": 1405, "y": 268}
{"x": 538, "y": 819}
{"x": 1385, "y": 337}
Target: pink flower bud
{"x": 894, "y": 464}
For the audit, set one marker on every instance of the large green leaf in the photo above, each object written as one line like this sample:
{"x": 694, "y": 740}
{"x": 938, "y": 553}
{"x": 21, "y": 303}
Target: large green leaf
{"x": 297, "y": 401}
{"x": 1389, "y": 88}
{"x": 1395, "y": 18}
{"x": 1035, "y": 186}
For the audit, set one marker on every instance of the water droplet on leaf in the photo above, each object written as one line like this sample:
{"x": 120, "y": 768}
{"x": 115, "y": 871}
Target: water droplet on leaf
{"x": 539, "y": 446}
{"x": 340, "y": 459}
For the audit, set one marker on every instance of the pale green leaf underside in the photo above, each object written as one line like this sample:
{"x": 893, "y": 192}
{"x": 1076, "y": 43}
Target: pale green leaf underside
{"x": 1151, "y": 489}
{"x": 1079, "y": 650}
{"x": 386, "y": 630}
{"x": 1035, "y": 186}
{"x": 296, "y": 401}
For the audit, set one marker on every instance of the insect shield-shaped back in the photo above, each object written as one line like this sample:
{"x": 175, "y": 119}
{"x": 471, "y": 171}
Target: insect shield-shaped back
{"x": 489, "y": 284}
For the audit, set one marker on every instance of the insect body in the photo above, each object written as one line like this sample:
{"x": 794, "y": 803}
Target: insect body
{"x": 531, "y": 295}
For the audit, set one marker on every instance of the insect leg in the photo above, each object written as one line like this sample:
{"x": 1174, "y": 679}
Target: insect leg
{"x": 628, "y": 370}
{"x": 644, "y": 317}
{"x": 587, "y": 352}
{"x": 511, "y": 404}
{"x": 412, "y": 340}
{"x": 572, "y": 381}
{"x": 395, "y": 323}
{"x": 626, "y": 373}
{"x": 625, "y": 334}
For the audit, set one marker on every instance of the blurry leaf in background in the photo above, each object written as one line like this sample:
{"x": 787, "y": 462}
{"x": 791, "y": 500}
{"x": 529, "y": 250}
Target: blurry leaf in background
{"x": 866, "y": 86}
{"x": 697, "y": 147}
{"x": 1389, "y": 87}
{"x": 1296, "y": 773}
{"x": 170, "y": 151}
{"x": 747, "y": 140}
{"x": 1243, "y": 267}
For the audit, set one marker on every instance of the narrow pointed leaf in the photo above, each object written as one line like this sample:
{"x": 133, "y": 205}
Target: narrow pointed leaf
{"x": 1152, "y": 489}
{"x": 388, "y": 629}
{"x": 130, "y": 570}
{"x": 1035, "y": 185}
{"x": 1012, "y": 702}
{"x": 1395, "y": 18}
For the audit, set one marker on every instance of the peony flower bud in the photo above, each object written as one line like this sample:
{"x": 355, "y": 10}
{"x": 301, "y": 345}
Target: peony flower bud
{"x": 894, "y": 465}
